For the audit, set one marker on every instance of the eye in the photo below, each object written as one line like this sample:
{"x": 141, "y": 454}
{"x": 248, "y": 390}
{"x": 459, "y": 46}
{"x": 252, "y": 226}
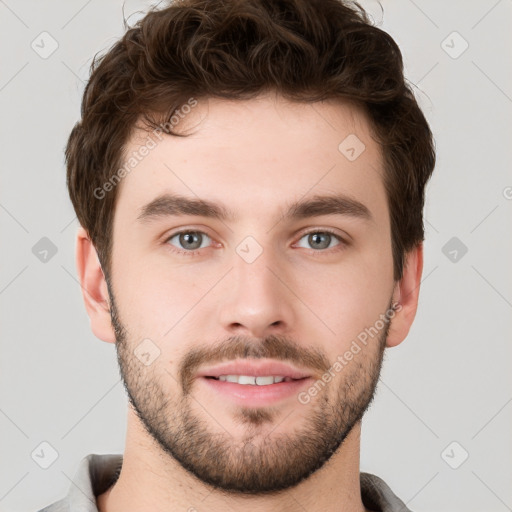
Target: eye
{"x": 189, "y": 241}
{"x": 319, "y": 240}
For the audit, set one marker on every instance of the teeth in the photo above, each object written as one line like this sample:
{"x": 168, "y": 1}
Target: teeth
{"x": 255, "y": 381}
{"x": 264, "y": 381}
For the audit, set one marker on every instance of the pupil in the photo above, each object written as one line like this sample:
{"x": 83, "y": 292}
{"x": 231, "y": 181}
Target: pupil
{"x": 315, "y": 239}
{"x": 191, "y": 240}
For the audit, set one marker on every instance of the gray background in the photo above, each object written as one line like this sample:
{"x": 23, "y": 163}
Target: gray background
{"x": 449, "y": 382}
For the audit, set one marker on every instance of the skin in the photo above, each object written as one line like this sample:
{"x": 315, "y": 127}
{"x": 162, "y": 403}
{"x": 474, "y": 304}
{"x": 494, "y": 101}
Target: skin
{"x": 255, "y": 157}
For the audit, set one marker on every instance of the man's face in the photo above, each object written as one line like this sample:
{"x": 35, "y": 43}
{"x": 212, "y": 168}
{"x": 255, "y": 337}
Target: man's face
{"x": 192, "y": 292}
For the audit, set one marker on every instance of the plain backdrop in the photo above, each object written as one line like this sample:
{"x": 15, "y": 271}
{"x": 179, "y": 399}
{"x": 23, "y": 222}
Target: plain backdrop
{"x": 439, "y": 429}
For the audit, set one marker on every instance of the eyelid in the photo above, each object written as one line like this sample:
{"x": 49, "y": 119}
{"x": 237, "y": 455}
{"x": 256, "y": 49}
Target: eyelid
{"x": 187, "y": 229}
{"x": 319, "y": 230}
{"x": 344, "y": 238}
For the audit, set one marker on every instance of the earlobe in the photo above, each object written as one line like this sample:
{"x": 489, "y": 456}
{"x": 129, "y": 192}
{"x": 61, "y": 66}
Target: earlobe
{"x": 406, "y": 294}
{"x": 94, "y": 287}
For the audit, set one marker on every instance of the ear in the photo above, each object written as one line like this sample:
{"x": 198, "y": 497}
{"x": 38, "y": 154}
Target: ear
{"x": 94, "y": 287}
{"x": 406, "y": 294}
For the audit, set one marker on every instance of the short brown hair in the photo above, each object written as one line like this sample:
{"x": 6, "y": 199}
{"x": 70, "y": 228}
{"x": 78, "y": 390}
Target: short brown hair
{"x": 305, "y": 50}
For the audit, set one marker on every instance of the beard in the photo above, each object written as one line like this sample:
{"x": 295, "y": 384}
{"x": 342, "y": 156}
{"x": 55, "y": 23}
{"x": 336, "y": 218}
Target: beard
{"x": 258, "y": 463}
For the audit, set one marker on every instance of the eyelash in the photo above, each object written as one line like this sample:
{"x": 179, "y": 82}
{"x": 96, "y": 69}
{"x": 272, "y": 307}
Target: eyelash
{"x": 342, "y": 243}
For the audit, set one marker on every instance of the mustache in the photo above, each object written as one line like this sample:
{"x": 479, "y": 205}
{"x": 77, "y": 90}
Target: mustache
{"x": 240, "y": 347}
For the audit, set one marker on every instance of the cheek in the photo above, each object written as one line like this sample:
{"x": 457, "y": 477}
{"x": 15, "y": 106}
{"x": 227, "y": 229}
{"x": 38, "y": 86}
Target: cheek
{"x": 155, "y": 298}
{"x": 349, "y": 296}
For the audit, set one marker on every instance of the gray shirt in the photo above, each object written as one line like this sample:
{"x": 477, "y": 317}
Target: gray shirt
{"x": 96, "y": 473}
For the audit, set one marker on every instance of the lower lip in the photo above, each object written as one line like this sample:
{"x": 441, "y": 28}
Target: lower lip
{"x": 253, "y": 395}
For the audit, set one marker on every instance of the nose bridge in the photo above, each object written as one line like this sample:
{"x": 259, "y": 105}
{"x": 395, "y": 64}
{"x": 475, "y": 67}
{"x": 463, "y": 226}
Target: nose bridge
{"x": 253, "y": 277}
{"x": 255, "y": 299}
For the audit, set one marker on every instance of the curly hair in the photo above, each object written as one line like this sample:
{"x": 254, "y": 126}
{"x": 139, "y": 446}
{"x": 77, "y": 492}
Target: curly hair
{"x": 305, "y": 50}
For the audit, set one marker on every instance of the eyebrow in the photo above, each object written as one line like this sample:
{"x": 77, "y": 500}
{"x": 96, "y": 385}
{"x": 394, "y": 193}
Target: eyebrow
{"x": 175, "y": 205}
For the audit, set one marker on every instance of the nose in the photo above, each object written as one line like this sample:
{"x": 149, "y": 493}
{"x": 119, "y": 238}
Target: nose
{"x": 256, "y": 300}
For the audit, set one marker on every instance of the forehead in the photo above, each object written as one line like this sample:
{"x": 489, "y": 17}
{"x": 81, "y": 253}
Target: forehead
{"x": 256, "y": 155}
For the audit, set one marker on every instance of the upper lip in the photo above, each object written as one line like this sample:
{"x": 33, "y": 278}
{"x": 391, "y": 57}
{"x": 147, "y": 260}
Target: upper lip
{"x": 257, "y": 369}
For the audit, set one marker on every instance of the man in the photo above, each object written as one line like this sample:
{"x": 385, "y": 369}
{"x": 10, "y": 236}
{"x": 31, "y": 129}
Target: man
{"x": 249, "y": 179}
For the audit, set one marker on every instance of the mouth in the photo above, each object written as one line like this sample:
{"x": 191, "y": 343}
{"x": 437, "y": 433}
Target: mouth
{"x": 254, "y": 380}
{"x": 254, "y": 371}
{"x": 254, "y": 383}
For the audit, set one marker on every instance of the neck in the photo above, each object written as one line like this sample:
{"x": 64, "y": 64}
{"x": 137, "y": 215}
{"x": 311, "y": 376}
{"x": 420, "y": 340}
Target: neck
{"x": 152, "y": 480}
